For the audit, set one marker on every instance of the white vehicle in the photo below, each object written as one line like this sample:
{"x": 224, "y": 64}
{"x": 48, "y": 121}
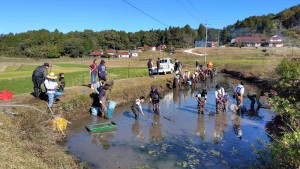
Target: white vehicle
{"x": 166, "y": 66}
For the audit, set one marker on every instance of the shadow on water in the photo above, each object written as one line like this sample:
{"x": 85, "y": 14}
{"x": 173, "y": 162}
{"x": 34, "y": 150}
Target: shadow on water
{"x": 192, "y": 140}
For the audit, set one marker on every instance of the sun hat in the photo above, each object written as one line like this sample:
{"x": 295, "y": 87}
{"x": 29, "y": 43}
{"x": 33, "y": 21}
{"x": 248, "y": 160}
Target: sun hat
{"x": 51, "y": 76}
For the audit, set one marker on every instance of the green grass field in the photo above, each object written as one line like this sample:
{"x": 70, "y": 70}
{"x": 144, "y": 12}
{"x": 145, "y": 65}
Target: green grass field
{"x": 20, "y": 85}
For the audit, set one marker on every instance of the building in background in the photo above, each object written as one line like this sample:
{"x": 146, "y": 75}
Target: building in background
{"x": 248, "y": 41}
{"x": 123, "y": 54}
{"x": 275, "y": 41}
{"x": 96, "y": 53}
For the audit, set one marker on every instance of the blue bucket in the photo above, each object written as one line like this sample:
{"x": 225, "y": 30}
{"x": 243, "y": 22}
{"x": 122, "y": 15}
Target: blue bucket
{"x": 111, "y": 107}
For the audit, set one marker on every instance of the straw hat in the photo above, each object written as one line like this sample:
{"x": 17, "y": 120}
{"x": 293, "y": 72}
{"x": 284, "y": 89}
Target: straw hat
{"x": 51, "y": 76}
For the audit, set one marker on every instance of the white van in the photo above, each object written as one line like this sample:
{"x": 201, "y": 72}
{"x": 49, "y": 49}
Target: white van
{"x": 166, "y": 66}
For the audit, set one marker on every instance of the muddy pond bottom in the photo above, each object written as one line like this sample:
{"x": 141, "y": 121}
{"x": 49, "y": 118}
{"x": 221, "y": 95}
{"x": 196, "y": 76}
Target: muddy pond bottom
{"x": 179, "y": 137}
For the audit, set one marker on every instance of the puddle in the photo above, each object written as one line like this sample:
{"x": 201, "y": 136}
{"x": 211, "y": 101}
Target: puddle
{"x": 183, "y": 139}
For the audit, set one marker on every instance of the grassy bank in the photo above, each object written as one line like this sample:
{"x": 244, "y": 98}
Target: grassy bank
{"x": 29, "y": 142}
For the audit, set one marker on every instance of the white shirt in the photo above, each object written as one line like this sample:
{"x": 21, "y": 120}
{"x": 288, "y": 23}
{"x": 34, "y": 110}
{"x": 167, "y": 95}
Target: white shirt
{"x": 50, "y": 85}
{"x": 220, "y": 91}
{"x": 138, "y": 103}
{"x": 239, "y": 89}
{"x": 97, "y": 85}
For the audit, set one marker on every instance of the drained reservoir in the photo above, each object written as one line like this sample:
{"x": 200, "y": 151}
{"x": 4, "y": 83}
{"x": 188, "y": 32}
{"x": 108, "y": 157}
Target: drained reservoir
{"x": 179, "y": 137}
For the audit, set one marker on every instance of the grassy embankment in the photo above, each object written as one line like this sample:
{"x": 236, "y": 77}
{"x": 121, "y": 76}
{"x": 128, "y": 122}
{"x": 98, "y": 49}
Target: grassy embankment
{"x": 28, "y": 140}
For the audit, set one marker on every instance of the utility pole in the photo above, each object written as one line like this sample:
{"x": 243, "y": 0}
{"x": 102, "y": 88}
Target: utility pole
{"x": 205, "y": 44}
{"x": 218, "y": 39}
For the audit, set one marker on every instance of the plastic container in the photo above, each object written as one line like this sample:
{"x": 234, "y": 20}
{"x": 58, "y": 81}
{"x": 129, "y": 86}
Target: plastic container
{"x": 59, "y": 124}
{"x": 95, "y": 110}
{"x": 6, "y": 95}
{"x": 111, "y": 107}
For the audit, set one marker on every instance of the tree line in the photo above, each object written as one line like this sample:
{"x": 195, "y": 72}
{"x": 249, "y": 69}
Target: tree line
{"x": 45, "y": 44}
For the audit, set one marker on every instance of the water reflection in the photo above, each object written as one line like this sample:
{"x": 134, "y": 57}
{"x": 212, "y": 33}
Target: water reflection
{"x": 155, "y": 131}
{"x": 102, "y": 138}
{"x": 200, "y": 130}
{"x": 137, "y": 131}
{"x": 221, "y": 123}
{"x": 236, "y": 124}
{"x": 176, "y": 97}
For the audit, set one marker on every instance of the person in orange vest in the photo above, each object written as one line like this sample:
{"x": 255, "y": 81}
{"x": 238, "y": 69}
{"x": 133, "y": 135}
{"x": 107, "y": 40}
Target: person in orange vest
{"x": 210, "y": 65}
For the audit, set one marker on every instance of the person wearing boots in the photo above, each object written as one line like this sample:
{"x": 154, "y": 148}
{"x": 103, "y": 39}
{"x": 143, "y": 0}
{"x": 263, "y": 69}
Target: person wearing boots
{"x": 155, "y": 97}
{"x": 103, "y": 100}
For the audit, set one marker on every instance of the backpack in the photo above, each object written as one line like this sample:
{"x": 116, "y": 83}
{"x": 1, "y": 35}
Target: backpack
{"x": 155, "y": 96}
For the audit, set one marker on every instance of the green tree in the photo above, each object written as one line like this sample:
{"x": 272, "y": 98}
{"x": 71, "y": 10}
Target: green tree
{"x": 201, "y": 32}
{"x": 225, "y": 36}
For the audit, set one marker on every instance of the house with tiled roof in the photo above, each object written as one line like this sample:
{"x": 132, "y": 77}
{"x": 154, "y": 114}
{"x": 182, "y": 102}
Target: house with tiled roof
{"x": 96, "y": 53}
{"x": 123, "y": 54}
{"x": 111, "y": 52}
{"x": 248, "y": 41}
{"x": 275, "y": 41}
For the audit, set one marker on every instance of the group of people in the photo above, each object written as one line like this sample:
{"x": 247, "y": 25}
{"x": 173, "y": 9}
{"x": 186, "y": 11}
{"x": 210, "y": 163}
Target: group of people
{"x": 100, "y": 86}
{"x": 154, "y": 98}
{"x": 151, "y": 68}
{"x": 53, "y": 89}
{"x": 97, "y": 70}
{"x": 200, "y": 74}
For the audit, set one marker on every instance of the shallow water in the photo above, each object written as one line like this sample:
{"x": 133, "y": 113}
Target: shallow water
{"x": 182, "y": 139}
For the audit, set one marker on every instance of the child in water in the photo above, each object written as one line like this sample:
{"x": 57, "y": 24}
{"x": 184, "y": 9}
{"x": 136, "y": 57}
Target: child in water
{"x": 200, "y": 103}
{"x": 137, "y": 107}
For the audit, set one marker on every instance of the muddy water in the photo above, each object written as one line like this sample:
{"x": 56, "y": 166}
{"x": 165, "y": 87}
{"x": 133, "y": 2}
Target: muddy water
{"x": 181, "y": 138}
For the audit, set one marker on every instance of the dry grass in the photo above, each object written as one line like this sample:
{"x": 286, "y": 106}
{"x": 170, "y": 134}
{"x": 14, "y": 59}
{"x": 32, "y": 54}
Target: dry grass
{"x": 29, "y": 142}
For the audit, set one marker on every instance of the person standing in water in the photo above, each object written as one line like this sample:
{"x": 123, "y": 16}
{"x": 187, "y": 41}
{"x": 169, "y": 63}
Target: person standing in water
{"x": 155, "y": 97}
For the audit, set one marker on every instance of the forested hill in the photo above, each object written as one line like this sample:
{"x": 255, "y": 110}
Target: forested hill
{"x": 286, "y": 23}
{"x": 45, "y": 44}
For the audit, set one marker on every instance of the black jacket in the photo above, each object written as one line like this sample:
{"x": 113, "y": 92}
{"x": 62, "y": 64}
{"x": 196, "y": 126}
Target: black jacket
{"x": 152, "y": 96}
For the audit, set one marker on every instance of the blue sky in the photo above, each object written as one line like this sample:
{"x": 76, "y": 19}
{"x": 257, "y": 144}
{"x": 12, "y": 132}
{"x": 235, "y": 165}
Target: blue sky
{"x": 70, "y": 15}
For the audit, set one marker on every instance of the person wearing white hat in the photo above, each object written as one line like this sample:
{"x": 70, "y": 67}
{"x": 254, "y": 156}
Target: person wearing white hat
{"x": 51, "y": 86}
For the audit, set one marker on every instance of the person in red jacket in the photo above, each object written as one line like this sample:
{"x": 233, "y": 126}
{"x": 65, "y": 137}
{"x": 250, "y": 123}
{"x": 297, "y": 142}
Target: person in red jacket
{"x": 93, "y": 72}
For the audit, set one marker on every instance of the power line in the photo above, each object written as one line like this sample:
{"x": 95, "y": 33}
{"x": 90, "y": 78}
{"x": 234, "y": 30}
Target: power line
{"x": 130, "y": 4}
{"x": 193, "y": 6}
{"x": 183, "y": 6}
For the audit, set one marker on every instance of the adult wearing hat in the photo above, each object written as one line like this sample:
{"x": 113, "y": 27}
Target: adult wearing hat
{"x": 51, "y": 86}
{"x": 102, "y": 71}
{"x": 38, "y": 77}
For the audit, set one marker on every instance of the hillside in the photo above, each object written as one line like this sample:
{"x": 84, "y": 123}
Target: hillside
{"x": 285, "y": 23}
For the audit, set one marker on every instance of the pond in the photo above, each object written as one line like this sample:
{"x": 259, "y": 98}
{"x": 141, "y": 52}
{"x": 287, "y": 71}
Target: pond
{"x": 181, "y": 138}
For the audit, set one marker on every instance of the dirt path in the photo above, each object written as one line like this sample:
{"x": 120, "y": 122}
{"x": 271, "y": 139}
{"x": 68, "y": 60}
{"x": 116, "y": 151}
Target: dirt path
{"x": 190, "y": 51}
